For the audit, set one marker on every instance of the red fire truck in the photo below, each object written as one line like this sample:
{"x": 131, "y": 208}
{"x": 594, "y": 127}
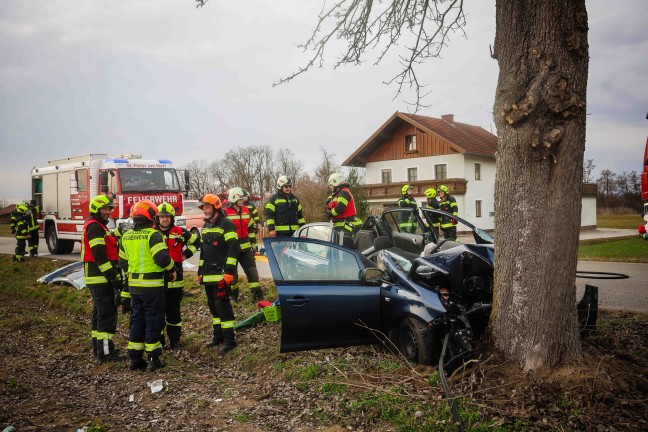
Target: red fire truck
{"x": 64, "y": 188}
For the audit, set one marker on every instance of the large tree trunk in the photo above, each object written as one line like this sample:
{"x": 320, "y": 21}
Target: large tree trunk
{"x": 542, "y": 51}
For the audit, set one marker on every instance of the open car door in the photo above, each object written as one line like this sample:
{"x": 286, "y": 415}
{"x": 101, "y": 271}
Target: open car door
{"x": 324, "y": 302}
{"x": 408, "y": 231}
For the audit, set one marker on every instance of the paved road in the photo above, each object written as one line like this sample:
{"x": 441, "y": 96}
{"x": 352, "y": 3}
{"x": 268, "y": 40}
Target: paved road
{"x": 624, "y": 294}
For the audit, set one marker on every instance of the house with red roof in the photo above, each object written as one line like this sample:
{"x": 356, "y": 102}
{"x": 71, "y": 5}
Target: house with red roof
{"x": 427, "y": 152}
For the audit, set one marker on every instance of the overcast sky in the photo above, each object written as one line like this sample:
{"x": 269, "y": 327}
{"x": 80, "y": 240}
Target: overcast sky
{"x": 165, "y": 79}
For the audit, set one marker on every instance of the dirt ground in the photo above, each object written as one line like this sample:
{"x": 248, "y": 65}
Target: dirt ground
{"x": 49, "y": 380}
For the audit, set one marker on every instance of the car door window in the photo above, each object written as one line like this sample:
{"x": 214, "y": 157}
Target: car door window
{"x": 315, "y": 261}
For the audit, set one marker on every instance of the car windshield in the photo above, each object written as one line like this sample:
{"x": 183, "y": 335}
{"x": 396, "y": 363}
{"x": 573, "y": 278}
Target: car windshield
{"x": 190, "y": 205}
{"x": 148, "y": 180}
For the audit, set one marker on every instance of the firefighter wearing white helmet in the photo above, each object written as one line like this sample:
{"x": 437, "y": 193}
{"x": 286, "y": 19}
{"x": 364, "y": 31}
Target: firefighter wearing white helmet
{"x": 254, "y": 215}
{"x": 408, "y": 220}
{"x": 239, "y": 214}
{"x": 448, "y": 204}
{"x": 283, "y": 213}
{"x": 341, "y": 206}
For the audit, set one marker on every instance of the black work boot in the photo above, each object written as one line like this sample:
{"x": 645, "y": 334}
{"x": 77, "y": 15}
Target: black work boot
{"x": 217, "y": 339}
{"x": 114, "y": 356}
{"x": 174, "y": 343}
{"x": 229, "y": 341}
{"x": 139, "y": 364}
{"x": 257, "y": 294}
{"x": 154, "y": 363}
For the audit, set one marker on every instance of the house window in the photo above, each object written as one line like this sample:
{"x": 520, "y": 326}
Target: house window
{"x": 440, "y": 171}
{"x": 412, "y": 174}
{"x": 477, "y": 171}
{"x": 478, "y": 208}
{"x": 386, "y": 176}
{"x": 410, "y": 143}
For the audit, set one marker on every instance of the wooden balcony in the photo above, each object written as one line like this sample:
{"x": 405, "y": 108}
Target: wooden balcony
{"x": 457, "y": 186}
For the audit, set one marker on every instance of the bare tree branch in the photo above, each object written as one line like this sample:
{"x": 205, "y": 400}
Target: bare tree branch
{"x": 366, "y": 25}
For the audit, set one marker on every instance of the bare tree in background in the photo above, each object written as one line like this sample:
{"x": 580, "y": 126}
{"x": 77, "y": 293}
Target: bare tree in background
{"x": 200, "y": 179}
{"x": 326, "y": 167}
{"x": 286, "y": 164}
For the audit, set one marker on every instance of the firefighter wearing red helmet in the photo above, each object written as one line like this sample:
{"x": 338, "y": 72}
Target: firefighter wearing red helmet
{"x": 182, "y": 244}
{"x": 216, "y": 269}
{"x": 102, "y": 277}
{"x": 143, "y": 254}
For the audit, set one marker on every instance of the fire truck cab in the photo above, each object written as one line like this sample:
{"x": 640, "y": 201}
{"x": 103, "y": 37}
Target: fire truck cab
{"x": 64, "y": 188}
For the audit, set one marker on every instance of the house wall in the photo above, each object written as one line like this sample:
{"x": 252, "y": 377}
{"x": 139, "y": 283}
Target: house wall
{"x": 424, "y": 165}
{"x": 483, "y": 190}
{"x": 588, "y": 212}
{"x": 394, "y": 147}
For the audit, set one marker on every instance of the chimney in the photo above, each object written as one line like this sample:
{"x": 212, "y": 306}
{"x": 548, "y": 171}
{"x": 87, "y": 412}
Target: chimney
{"x": 448, "y": 117}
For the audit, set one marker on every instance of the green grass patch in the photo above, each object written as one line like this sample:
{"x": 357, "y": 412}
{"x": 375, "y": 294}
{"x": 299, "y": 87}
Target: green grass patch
{"x": 621, "y": 250}
{"x": 619, "y": 221}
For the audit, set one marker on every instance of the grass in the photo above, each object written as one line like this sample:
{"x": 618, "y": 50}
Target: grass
{"x": 620, "y": 250}
{"x": 619, "y": 221}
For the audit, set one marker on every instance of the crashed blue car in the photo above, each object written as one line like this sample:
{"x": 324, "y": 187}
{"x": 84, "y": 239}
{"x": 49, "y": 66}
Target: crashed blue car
{"x": 335, "y": 291}
{"x": 410, "y": 289}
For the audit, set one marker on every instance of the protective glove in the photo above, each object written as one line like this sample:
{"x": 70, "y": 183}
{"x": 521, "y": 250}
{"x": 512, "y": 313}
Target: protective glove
{"x": 199, "y": 279}
{"x": 117, "y": 287}
{"x": 223, "y": 291}
{"x": 228, "y": 278}
{"x": 234, "y": 296}
{"x": 126, "y": 304}
{"x": 13, "y": 231}
{"x": 454, "y": 221}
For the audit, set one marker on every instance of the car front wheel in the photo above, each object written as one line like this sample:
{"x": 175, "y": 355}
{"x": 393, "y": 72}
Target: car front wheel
{"x": 417, "y": 343}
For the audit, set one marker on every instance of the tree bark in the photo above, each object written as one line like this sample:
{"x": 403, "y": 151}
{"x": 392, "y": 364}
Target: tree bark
{"x": 542, "y": 51}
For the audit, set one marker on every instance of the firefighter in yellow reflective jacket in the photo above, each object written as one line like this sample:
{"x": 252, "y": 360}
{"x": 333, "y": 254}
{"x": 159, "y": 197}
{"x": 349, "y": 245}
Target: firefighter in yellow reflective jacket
{"x": 448, "y": 204}
{"x": 103, "y": 278}
{"x": 33, "y": 239}
{"x": 342, "y": 206}
{"x": 408, "y": 220}
{"x": 20, "y": 229}
{"x": 283, "y": 213}
{"x": 144, "y": 255}
{"x": 433, "y": 203}
{"x": 182, "y": 244}
{"x": 238, "y": 213}
{"x": 216, "y": 269}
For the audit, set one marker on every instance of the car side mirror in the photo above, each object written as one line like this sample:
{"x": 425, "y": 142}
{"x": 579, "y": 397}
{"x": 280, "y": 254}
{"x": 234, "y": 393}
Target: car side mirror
{"x": 371, "y": 276}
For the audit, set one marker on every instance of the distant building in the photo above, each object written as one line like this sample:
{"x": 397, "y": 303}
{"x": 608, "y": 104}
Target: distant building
{"x": 426, "y": 152}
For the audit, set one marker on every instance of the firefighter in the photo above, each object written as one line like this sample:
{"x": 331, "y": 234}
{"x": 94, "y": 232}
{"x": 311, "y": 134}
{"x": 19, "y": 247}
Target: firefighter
{"x": 448, "y": 204}
{"x": 181, "y": 245}
{"x": 433, "y": 203}
{"x": 144, "y": 254}
{"x": 408, "y": 221}
{"x": 239, "y": 214}
{"x": 216, "y": 270}
{"x": 20, "y": 229}
{"x": 341, "y": 206}
{"x": 283, "y": 213}
{"x": 33, "y": 239}
{"x": 254, "y": 215}
{"x": 102, "y": 277}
